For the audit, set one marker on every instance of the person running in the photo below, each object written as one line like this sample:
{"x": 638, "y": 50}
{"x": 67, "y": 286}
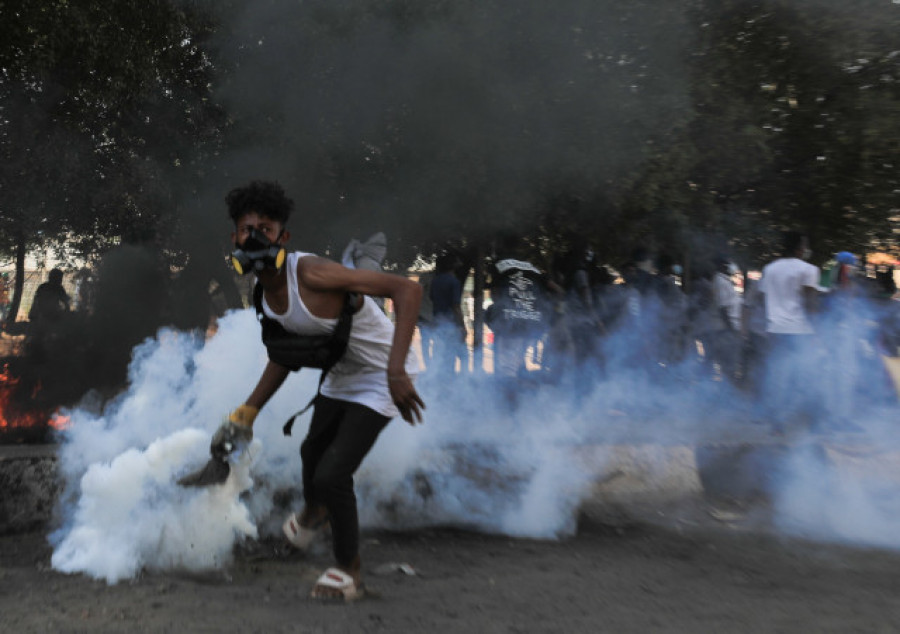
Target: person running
{"x": 370, "y": 384}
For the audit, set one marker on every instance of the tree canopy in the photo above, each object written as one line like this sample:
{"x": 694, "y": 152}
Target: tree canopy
{"x": 611, "y": 123}
{"x": 794, "y": 126}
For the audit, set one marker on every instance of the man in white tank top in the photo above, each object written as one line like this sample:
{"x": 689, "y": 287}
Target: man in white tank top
{"x": 368, "y": 386}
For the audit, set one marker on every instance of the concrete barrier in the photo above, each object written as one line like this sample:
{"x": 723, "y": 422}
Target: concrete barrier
{"x": 30, "y": 484}
{"x": 631, "y": 480}
{"x": 641, "y": 473}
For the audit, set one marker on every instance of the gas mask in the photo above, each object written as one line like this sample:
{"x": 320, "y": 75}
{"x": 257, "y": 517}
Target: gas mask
{"x": 257, "y": 253}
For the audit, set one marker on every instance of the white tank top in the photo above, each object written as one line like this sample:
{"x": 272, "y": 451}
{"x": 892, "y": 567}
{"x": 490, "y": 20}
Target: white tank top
{"x": 361, "y": 374}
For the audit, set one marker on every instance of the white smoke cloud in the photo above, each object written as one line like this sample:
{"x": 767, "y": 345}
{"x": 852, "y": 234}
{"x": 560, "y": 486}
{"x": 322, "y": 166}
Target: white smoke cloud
{"x": 837, "y": 479}
{"x": 132, "y": 515}
{"x": 123, "y": 510}
{"x": 477, "y": 461}
{"x": 844, "y": 493}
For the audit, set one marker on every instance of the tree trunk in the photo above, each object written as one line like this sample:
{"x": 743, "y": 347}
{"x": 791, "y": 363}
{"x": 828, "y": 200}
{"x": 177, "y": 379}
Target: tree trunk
{"x": 19, "y": 285}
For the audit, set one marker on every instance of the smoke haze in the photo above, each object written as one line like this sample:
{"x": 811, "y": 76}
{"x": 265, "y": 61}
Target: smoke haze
{"x": 525, "y": 469}
{"x": 453, "y": 117}
{"x": 131, "y": 515}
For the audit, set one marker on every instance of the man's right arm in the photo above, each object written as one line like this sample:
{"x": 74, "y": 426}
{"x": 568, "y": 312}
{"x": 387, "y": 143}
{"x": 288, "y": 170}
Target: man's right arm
{"x": 237, "y": 428}
{"x": 272, "y": 378}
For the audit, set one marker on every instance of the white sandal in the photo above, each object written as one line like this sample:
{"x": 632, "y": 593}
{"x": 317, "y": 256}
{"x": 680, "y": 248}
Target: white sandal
{"x": 337, "y": 579}
{"x": 300, "y": 536}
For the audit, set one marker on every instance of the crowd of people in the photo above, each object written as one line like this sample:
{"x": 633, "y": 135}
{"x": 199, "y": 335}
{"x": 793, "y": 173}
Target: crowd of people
{"x": 583, "y": 321}
{"x": 580, "y": 322}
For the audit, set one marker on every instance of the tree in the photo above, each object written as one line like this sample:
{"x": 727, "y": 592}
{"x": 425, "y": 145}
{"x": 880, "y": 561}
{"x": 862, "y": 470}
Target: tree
{"x": 103, "y": 112}
{"x": 106, "y": 125}
{"x": 792, "y": 128}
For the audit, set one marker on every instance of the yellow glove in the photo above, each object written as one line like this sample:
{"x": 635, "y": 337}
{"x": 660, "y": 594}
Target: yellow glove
{"x": 235, "y": 433}
{"x": 244, "y": 415}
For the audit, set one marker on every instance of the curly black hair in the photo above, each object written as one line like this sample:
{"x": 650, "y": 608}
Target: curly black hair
{"x": 267, "y": 198}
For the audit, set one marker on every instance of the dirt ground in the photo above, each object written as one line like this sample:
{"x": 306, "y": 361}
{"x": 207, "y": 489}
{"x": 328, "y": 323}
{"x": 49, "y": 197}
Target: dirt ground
{"x": 631, "y": 577}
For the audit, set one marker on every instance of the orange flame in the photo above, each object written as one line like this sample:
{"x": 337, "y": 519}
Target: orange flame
{"x": 10, "y": 416}
{"x": 59, "y": 421}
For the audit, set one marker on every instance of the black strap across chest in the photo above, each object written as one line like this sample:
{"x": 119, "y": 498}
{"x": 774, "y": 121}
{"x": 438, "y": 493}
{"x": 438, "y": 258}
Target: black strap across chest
{"x": 294, "y": 351}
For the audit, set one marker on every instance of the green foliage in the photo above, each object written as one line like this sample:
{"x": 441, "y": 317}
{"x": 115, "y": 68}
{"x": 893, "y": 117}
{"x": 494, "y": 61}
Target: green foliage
{"x": 100, "y": 105}
{"x": 795, "y": 125}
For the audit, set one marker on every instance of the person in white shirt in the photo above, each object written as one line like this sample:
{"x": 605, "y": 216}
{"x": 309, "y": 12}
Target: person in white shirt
{"x": 791, "y": 289}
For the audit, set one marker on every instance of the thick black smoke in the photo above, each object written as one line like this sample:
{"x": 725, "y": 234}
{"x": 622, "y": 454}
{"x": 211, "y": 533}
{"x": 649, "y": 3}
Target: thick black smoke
{"x": 427, "y": 120}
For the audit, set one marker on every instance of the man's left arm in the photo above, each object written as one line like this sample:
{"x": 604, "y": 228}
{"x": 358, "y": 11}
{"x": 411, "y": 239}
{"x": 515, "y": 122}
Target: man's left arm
{"x": 406, "y": 296}
{"x": 811, "y": 290}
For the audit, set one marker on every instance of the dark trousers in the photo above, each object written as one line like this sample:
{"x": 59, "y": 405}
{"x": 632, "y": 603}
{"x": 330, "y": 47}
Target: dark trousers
{"x": 340, "y": 435}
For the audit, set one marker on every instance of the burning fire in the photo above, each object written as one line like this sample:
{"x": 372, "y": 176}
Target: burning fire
{"x": 13, "y": 417}
{"x": 59, "y": 421}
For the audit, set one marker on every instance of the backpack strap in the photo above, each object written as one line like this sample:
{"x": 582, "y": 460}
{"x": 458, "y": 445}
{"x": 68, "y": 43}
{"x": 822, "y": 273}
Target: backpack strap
{"x": 289, "y": 423}
{"x": 257, "y": 299}
{"x": 341, "y": 331}
{"x": 344, "y": 322}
